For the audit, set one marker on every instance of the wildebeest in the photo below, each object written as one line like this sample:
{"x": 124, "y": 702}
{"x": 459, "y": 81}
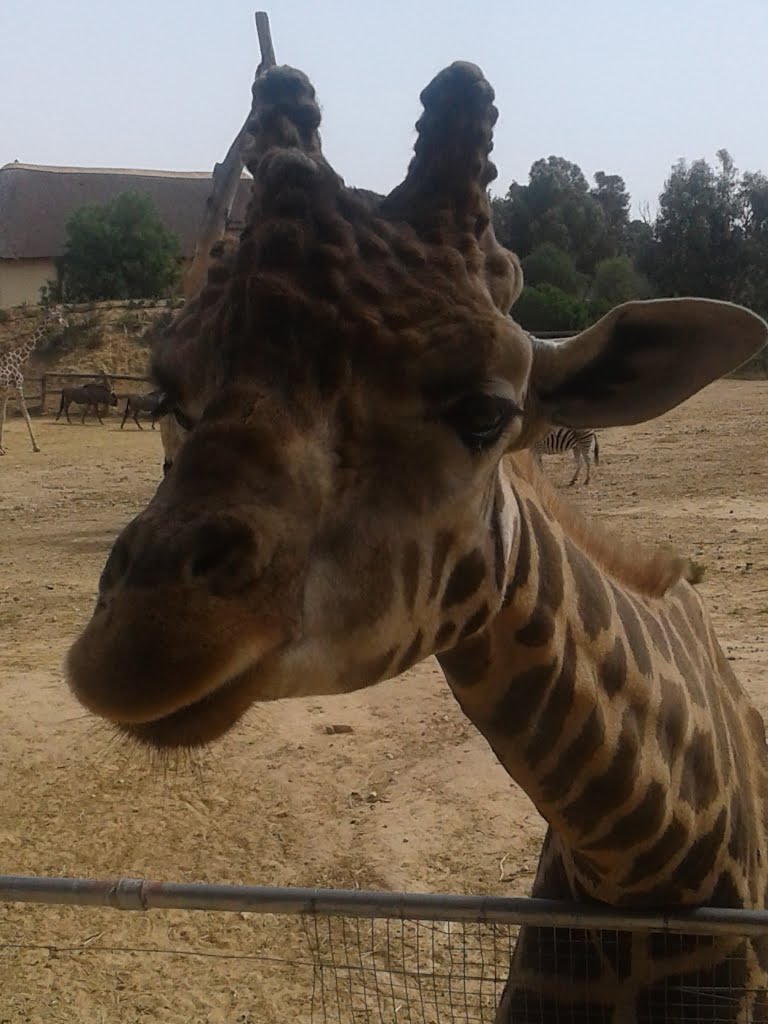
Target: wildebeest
{"x": 149, "y": 403}
{"x": 90, "y": 396}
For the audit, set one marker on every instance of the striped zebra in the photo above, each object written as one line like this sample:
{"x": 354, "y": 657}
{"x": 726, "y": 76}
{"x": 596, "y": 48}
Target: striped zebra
{"x": 583, "y": 444}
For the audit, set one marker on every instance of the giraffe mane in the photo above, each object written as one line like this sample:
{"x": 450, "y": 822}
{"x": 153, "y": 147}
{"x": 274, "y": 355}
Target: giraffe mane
{"x": 648, "y": 570}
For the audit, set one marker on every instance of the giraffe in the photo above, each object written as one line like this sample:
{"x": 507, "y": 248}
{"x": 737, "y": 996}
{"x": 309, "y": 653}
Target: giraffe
{"x": 12, "y": 376}
{"x": 349, "y": 489}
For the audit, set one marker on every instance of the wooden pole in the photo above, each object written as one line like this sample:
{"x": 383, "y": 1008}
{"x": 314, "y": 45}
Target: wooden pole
{"x": 265, "y": 42}
{"x": 225, "y": 180}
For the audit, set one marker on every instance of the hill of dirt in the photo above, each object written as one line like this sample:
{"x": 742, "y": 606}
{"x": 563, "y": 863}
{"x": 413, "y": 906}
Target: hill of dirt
{"x": 100, "y": 337}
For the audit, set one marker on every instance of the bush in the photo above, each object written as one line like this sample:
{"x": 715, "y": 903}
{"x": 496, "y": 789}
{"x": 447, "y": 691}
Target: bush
{"x": 547, "y": 308}
{"x": 616, "y": 280}
{"x": 118, "y": 251}
{"x": 548, "y": 264}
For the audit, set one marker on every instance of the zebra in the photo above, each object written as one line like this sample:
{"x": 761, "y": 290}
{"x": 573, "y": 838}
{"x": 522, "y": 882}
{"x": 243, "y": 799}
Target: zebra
{"x": 583, "y": 444}
{"x": 150, "y": 403}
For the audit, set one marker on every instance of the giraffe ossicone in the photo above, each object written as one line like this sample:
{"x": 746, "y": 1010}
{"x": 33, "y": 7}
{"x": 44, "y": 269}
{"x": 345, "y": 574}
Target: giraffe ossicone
{"x": 349, "y": 491}
{"x": 12, "y": 365}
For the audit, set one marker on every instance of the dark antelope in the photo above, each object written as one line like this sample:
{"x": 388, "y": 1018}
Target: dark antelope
{"x": 151, "y": 403}
{"x": 90, "y": 396}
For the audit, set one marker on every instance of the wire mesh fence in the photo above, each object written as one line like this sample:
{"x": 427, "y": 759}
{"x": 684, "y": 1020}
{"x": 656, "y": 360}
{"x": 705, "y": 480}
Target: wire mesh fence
{"x": 427, "y": 959}
{"x": 413, "y": 971}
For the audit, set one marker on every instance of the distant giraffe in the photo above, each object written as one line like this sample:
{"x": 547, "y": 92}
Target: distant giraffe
{"x": 12, "y": 377}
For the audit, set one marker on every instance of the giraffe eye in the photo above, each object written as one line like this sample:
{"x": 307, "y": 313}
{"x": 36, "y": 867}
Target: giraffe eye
{"x": 480, "y": 420}
{"x": 184, "y": 421}
{"x": 167, "y": 406}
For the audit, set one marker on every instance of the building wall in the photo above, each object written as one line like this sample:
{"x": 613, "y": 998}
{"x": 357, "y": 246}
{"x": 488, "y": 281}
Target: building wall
{"x": 21, "y": 280}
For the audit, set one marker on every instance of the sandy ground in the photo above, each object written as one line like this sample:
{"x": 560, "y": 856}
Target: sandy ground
{"x": 410, "y": 799}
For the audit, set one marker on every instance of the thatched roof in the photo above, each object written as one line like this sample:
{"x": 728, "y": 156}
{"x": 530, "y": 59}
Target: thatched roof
{"x": 36, "y": 202}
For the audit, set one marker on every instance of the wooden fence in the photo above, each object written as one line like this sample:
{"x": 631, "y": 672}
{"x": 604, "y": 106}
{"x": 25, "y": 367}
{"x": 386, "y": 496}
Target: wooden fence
{"x": 39, "y": 391}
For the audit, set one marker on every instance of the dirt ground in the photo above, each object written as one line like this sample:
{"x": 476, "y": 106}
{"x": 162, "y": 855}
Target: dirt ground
{"x": 411, "y": 798}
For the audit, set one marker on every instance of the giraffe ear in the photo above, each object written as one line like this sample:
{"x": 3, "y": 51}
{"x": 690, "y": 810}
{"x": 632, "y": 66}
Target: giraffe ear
{"x": 641, "y": 360}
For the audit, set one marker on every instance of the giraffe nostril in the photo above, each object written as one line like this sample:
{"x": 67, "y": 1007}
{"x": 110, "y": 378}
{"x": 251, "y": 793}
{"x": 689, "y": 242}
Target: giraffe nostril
{"x": 223, "y": 556}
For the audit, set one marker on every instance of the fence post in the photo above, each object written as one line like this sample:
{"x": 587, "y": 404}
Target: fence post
{"x": 43, "y": 392}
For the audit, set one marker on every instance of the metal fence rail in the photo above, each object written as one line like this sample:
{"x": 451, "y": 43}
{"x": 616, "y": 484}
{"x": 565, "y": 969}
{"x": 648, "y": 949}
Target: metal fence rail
{"x": 427, "y": 958}
{"x": 141, "y": 894}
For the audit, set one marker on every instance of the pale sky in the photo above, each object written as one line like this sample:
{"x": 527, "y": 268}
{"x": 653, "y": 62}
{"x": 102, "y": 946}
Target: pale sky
{"x": 626, "y": 86}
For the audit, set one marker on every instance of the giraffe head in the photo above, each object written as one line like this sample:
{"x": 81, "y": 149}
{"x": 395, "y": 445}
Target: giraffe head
{"x": 344, "y": 391}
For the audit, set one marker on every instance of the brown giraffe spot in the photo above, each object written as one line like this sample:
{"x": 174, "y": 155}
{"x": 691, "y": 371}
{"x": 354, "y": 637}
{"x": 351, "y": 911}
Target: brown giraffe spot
{"x": 555, "y": 712}
{"x": 550, "y": 561}
{"x": 375, "y": 668}
{"x": 467, "y": 663}
{"x": 636, "y": 826}
{"x": 726, "y": 893}
{"x": 672, "y": 720}
{"x": 594, "y": 608}
{"x": 696, "y": 996}
{"x": 411, "y": 656}
{"x": 658, "y": 856}
{"x": 579, "y": 752}
{"x": 754, "y": 721}
{"x": 515, "y": 710}
{"x": 739, "y": 843}
{"x": 690, "y": 641}
{"x": 760, "y": 1009}
{"x": 604, "y": 793}
{"x": 666, "y": 945}
{"x": 616, "y": 948}
{"x": 530, "y": 1005}
{"x": 586, "y": 870}
{"x": 627, "y": 611}
{"x": 613, "y": 670}
{"x": 655, "y": 630}
{"x": 686, "y": 669}
{"x": 499, "y": 562}
{"x": 467, "y": 576}
{"x": 550, "y": 951}
{"x": 523, "y": 561}
{"x": 443, "y": 635}
{"x": 539, "y": 629}
{"x": 728, "y": 727}
{"x": 551, "y": 880}
{"x": 442, "y": 546}
{"x": 700, "y": 783}
{"x": 702, "y": 856}
{"x": 411, "y": 567}
{"x": 476, "y": 621}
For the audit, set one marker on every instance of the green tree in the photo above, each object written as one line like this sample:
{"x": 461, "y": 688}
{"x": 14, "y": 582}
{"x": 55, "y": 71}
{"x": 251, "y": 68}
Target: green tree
{"x": 120, "y": 250}
{"x": 558, "y": 208}
{"x": 610, "y": 191}
{"x": 547, "y": 308}
{"x": 616, "y": 280}
{"x": 699, "y": 230}
{"x": 548, "y": 264}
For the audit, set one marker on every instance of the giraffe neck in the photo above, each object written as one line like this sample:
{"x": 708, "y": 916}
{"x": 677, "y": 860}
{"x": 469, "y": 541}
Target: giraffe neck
{"x": 14, "y": 361}
{"x": 23, "y": 352}
{"x": 619, "y": 715}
